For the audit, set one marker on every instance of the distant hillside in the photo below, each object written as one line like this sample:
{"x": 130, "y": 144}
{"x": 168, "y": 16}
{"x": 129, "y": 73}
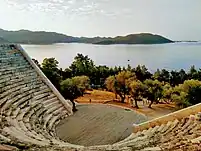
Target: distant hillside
{"x": 143, "y": 38}
{"x": 39, "y": 37}
{"x": 93, "y": 40}
{"x": 42, "y": 37}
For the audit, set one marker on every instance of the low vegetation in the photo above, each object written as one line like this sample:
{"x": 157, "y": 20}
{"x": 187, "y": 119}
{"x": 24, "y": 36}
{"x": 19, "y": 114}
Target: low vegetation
{"x": 179, "y": 87}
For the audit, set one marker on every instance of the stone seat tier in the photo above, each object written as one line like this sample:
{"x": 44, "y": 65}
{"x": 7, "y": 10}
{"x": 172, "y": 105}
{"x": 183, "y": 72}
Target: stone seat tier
{"x": 11, "y": 73}
{"x": 14, "y": 68}
{"x": 21, "y": 127}
{"x": 14, "y": 77}
{"x": 8, "y": 90}
{"x": 20, "y": 135}
{"x": 175, "y": 128}
{"x": 11, "y": 61}
{"x": 3, "y": 138}
{"x": 14, "y": 64}
{"x": 18, "y": 98}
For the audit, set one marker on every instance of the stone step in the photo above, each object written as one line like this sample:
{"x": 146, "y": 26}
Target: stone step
{"x": 190, "y": 127}
{"x": 44, "y": 90}
{"x": 65, "y": 144}
{"x": 15, "y": 90}
{"x": 174, "y": 125}
{"x": 152, "y": 149}
{"x": 26, "y": 97}
{"x": 52, "y": 121}
{"x": 18, "y": 85}
{"x": 9, "y": 74}
{"x": 52, "y": 109}
{"x": 12, "y": 131}
{"x": 155, "y": 129}
{"x": 12, "y": 101}
{"x": 15, "y": 64}
{"x": 8, "y": 112}
{"x": 15, "y": 68}
{"x": 52, "y": 104}
{"x": 12, "y": 61}
{"x": 196, "y": 140}
{"x": 60, "y": 110}
{"x": 133, "y": 142}
{"x": 50, "y": 100}
{"x": 32, "y": 134}
{"x": 15, "y": 112}
{"x": 148, "y": 131}
{"x": 54, "y": 118}
{"x": 22, "y": 113}
{"x": 33, "y": 110}
{"x": 130, "y": 137}
{"x": 37, "y": 97}
{"x": 46, "y": 120}
{"x": 16, "y": 77}
{"x": 166, "y": 127}
{"x": 28, "y": 126}
{"x": 161, "y": 128}
{"x": 188, "y": 123}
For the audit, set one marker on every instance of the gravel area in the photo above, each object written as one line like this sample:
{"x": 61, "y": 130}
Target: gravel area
{"x": 98, "y": 124}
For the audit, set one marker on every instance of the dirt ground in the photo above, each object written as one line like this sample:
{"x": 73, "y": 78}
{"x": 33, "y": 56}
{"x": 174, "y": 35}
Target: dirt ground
{"x": 98, "y": 124}
{"x": 97, "y": 96}
{"x": 104, "y": 97}
{"x": 105, "y": 121}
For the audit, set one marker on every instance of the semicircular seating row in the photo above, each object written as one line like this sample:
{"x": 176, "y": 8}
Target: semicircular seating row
{"x": 30, "y": 110}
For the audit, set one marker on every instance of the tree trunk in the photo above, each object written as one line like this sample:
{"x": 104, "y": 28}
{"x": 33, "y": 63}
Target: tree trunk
{"x": 150, "y": 104}
{"x": 74, "y": 107}
{"x": 136, "y": 105}
{"x": 115, "y": 95}
{"x": 122, "y": 99}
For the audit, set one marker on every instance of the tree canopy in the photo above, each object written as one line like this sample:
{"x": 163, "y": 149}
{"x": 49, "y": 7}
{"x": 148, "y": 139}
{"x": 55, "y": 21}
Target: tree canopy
{"x": 137, "y": 90}
{"x": 119, "y": 83}
{"x": 185, "y": 94}
{"x": 179, "y": 87}
{"x": 50, "y": 69}
{"x": 73, "y": 88}
{"x": 153, "y": 90}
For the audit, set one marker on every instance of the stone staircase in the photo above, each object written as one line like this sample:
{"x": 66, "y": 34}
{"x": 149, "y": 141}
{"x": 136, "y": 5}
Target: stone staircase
{"x": 30, "y": 108}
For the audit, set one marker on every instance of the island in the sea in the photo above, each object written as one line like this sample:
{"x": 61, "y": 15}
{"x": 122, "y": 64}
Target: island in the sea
{"x": 42, "y": 37}
{"x": 142, "y": 38}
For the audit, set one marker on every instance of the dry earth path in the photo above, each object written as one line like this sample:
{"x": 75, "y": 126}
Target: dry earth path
{"x": 98, "y": 124}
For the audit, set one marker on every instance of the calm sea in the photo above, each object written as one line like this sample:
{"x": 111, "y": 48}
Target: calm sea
{"x": 168, "y": 56}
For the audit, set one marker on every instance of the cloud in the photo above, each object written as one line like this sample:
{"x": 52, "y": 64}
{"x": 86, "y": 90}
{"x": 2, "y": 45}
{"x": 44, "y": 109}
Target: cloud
{"x": 78, "y": 7}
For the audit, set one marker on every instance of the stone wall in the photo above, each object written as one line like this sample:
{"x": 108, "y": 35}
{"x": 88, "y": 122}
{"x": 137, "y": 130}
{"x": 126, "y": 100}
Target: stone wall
{"x": 169, "y": 117}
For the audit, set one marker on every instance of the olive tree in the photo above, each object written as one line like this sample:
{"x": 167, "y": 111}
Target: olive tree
{"x": 119, "y": 83}
{"x": 187, "y": 94}
{"x": 137, "y": 89}
{"x": 153, "y": 90}
{"x": 73, "y": 88}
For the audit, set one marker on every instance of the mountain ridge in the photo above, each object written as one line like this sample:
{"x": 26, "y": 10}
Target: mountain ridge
{"x": 42, "y": 37}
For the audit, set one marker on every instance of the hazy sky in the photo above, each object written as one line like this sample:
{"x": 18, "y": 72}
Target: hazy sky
{"x": 175, "y": 19}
